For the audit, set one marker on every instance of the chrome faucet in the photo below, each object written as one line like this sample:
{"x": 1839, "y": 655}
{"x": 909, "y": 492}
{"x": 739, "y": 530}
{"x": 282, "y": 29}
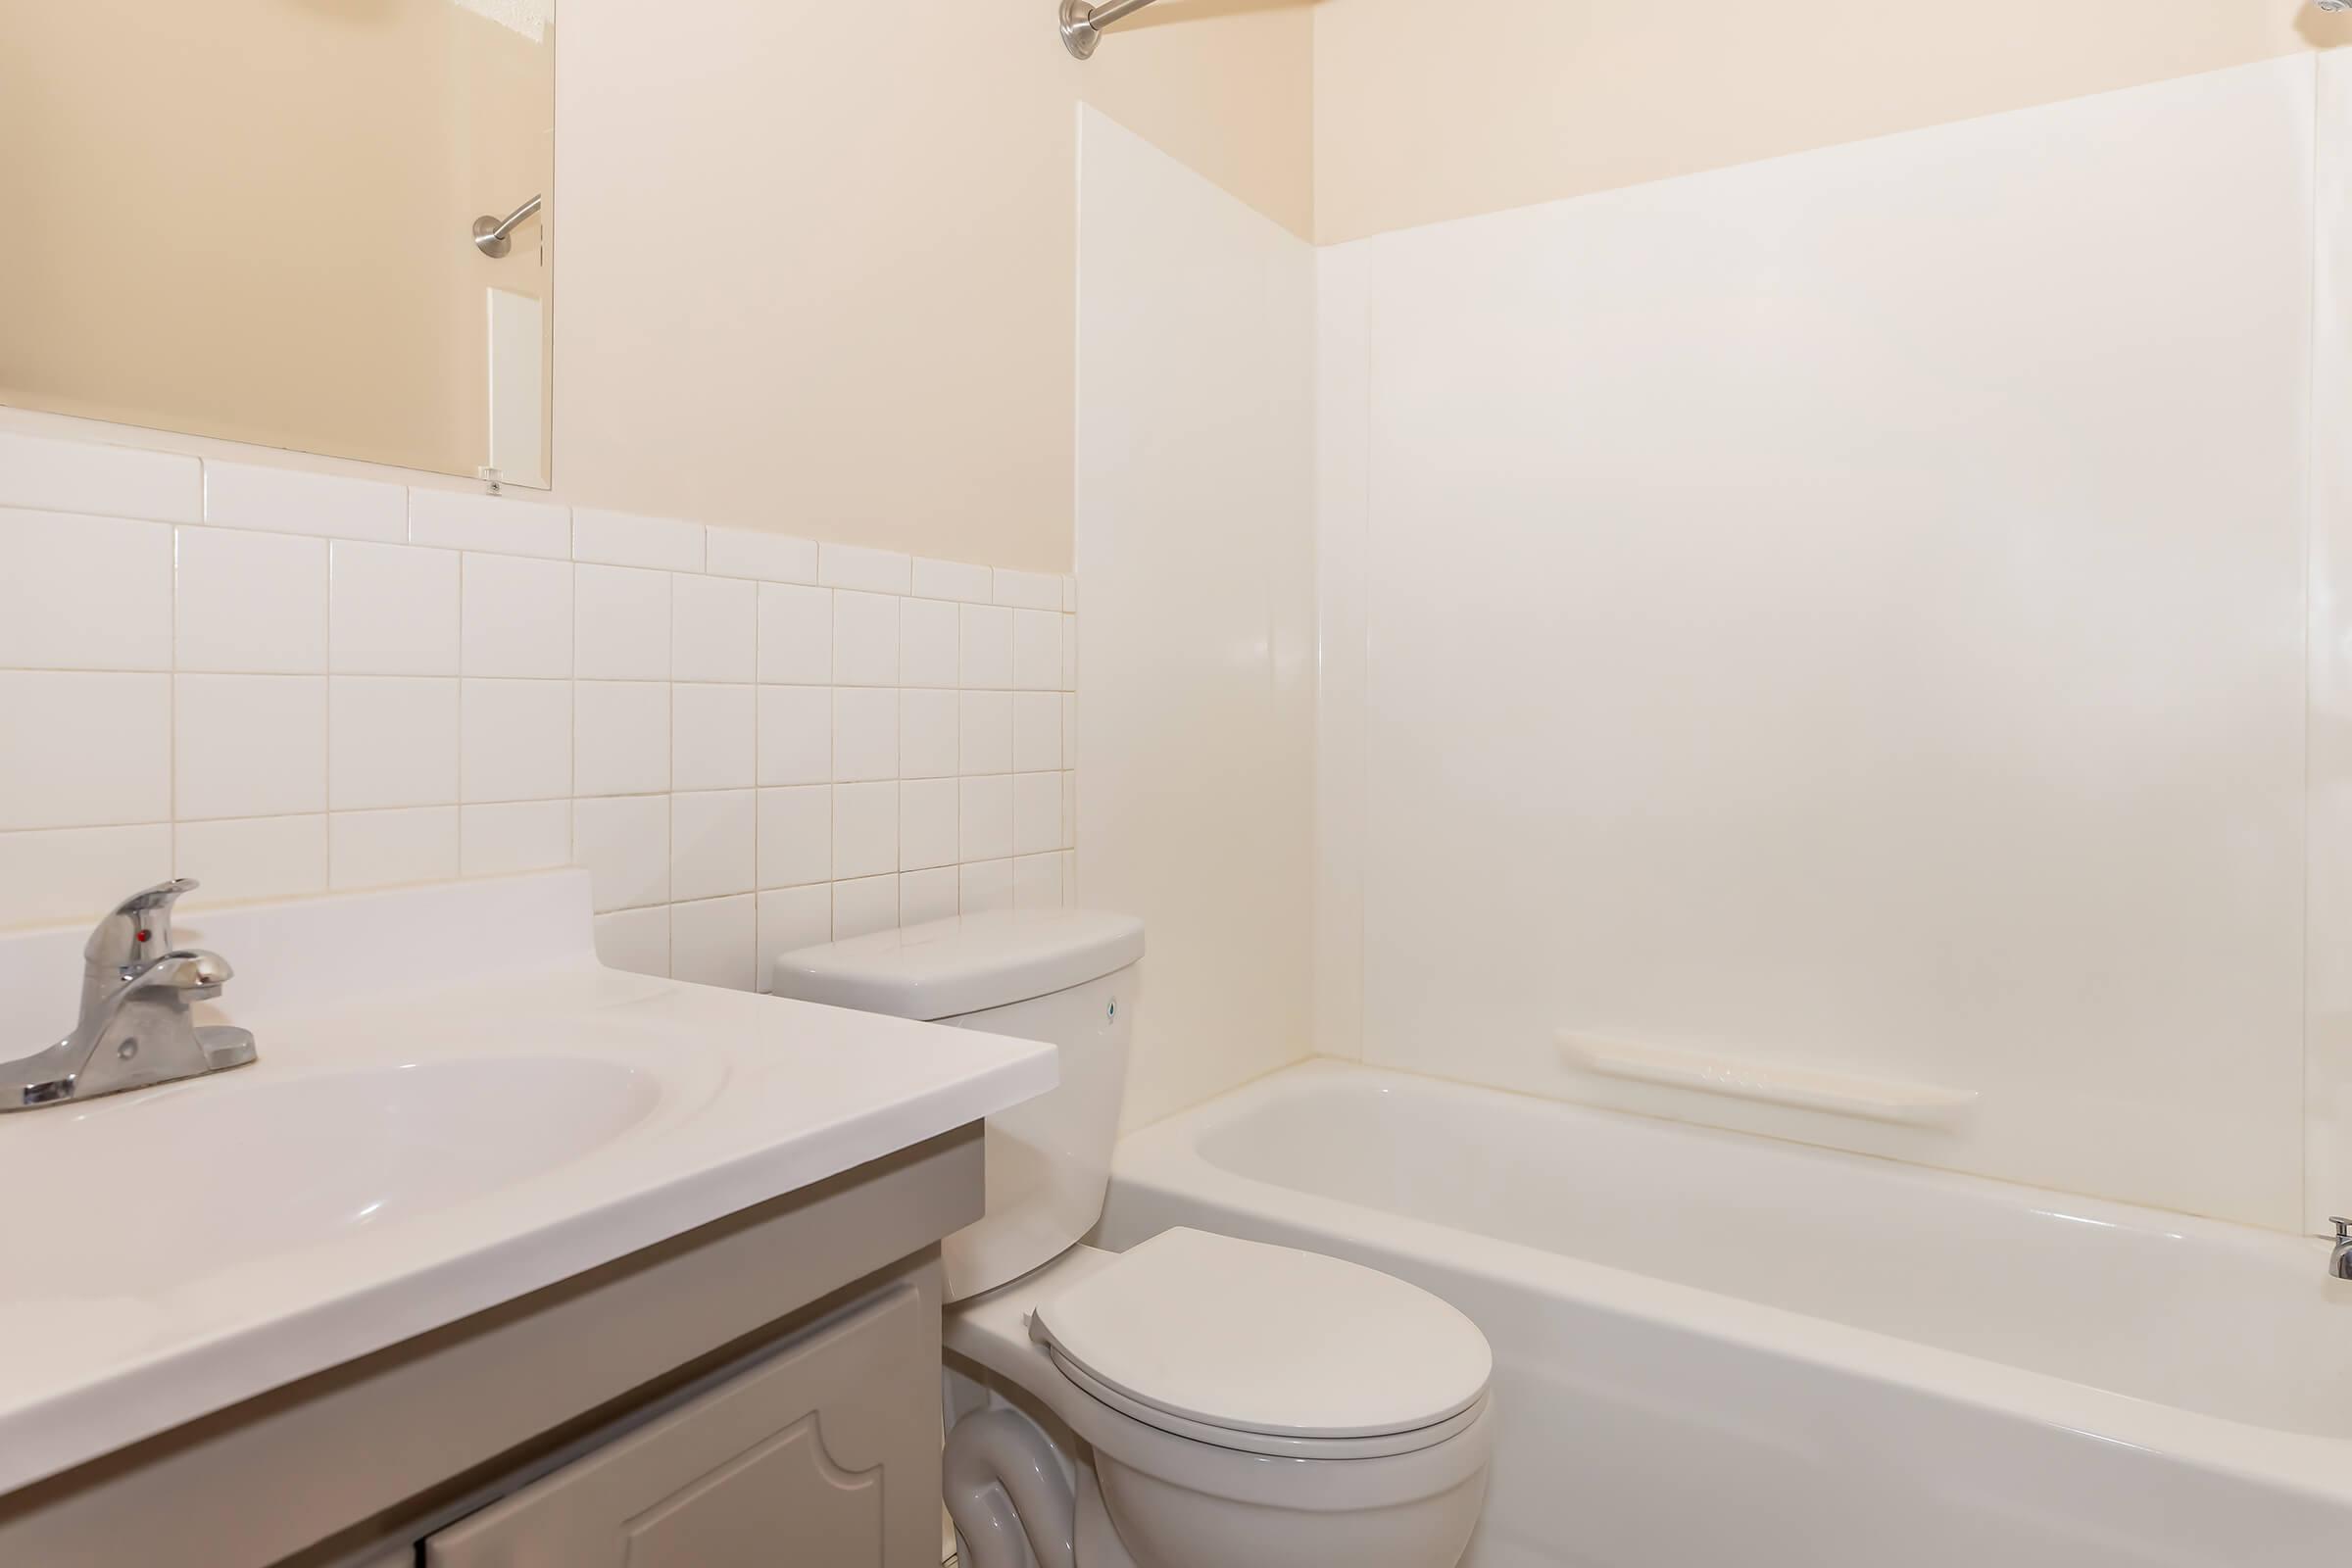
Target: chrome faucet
{"x": 135, "y": 1028}
{"x": 2339, "y": 1262}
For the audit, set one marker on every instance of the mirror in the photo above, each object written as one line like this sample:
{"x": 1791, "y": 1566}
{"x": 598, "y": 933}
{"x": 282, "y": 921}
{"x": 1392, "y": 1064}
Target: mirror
{"x": 256, "y": 219}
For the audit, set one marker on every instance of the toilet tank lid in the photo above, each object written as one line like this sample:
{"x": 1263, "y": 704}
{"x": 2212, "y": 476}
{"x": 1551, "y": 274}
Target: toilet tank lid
{"x": 964, "y": 965}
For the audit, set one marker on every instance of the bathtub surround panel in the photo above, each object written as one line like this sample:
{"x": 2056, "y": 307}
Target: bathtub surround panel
{"x": 1845, "y": 612}
{"x": 2327, "y": 1055}
{"x": 1196, "y": 498}
{"x": 287, "y": 702}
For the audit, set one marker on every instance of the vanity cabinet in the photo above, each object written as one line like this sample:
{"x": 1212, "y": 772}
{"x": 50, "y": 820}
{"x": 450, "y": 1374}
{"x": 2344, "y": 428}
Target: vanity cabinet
{"x": 825, "y": 1452}
{"x": 762, "y": 1390}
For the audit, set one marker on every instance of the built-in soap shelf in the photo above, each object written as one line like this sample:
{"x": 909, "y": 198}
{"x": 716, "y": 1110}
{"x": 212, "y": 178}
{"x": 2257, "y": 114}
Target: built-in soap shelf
{"x": 1804, "y": 1088}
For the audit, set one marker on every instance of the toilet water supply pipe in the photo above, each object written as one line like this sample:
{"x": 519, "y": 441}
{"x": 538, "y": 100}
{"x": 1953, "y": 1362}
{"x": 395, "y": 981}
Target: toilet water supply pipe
{"x": 1003, "y": 1488}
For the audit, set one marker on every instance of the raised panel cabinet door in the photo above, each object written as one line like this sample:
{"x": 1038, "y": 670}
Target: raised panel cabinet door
{"x": 825, "y": 1455}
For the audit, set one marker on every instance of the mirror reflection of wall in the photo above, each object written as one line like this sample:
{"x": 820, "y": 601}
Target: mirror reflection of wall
{"x": 253, "y": 220}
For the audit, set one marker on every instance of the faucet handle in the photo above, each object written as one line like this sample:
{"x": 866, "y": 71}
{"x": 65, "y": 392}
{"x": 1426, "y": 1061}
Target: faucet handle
{"x": 2343, "y": 1228}
{"x": 136, "y": 929}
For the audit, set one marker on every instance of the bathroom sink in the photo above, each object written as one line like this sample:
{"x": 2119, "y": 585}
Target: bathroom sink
{"x": 259, "y": 1165}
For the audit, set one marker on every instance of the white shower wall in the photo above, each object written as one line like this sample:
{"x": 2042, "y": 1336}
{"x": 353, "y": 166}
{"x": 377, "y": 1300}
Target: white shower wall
{"x": 1849, "y": 612}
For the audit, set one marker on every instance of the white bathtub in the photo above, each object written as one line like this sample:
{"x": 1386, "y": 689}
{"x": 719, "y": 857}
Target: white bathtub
{"x": 1719, "y": 1349}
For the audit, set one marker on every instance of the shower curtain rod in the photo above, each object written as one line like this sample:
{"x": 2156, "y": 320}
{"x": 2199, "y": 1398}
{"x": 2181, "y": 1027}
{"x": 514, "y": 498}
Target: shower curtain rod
{"x": 1082, "y": 24}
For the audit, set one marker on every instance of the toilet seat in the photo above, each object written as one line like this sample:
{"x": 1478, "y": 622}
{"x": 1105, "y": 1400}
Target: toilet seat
{"x": 1267, "y": 1349}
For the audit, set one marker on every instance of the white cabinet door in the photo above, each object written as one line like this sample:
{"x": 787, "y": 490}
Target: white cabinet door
{"x": 826, "y": 1455}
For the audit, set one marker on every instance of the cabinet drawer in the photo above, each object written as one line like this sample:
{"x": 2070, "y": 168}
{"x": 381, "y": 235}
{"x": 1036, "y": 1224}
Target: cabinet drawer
{"x": 825, "y": 1455}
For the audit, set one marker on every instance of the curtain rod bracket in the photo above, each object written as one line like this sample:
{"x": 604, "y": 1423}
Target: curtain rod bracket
{"x": 1082, "y": 23}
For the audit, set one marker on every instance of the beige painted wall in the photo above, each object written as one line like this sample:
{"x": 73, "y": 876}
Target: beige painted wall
{"x": 247, "y": 219}
{"x": 1425, "y": 110}
{"x": 818, "y": 263}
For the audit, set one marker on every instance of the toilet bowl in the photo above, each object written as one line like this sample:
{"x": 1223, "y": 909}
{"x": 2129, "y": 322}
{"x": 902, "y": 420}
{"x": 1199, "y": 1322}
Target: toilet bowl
{"x": 1231, "y": 1402}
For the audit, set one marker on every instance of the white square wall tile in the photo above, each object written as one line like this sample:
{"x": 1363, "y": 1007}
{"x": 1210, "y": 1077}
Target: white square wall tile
{"x": 392, "y": 740}
{"x": 796, "y": 836}
{"x": 862, "y": 907}
{"x": 1028, "y": 590}
{"x": 511, "y": 836}
{"x": 986, "y": 733}
{"x": 636, "y": 941}
{"x": 865, "y": 640}
{"x": 865, "y": 734}
{"x": 711, "y": 839}
{"x": 252, "y": 857}
{"x": 927, "y": 896}
{"x": 865, "y": 829}
{"x": 985, "y": 886}
{"x": 621, "y": 619}
{"x": 1037, "y": 649}
{"x": 60, "y": 476}
{"x": 391, "y": 610}
{"x": 770, "y": 557}
{"x": 790, "y": 919}
{"x": 713, "y": 629}
{"x": 796, "y": 635}
{"x": 1070, "y": 730}
{"x": 927, "y": 823}
{"x": 620, "y": 739}
{"x": 515, "y": 740}
{"x": 248, "y": 745}
{"x": 986, "y": 817}
{"x": 987, "y": 637}
{"x": 84, "y": 593}
{"x": 1036, "y": 882}
{"x": 796, "y": 734}
{"x": 873, "y": 572}
{"x": 715, "y": 943}
{"x": 624, "y": 539}
{"x": 385, "y": 849}
{"x": 1070, "y": 810}
{"x": 77, "y": 874}
{"x": 249, "y": 495}
{"x": 714, "y": 732}
{"x": 250, "y": 603}
{"x": 1036, "y": 731}
{"x": 928, "y": 742}
{"x": 1036, "y": 812}
{"x": 1069, "y": 595}
{"x": 1069, "y": 653}
{"x": 624, "y": 843}
{"x": 928, "y": 643}
{"x": 952, "y": 579}
{"x": 516, "y": 616}
{"x": 508, "y": 524}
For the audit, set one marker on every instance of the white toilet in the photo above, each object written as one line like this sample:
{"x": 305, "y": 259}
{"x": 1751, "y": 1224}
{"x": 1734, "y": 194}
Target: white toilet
{"x": 1241, "y": 1405}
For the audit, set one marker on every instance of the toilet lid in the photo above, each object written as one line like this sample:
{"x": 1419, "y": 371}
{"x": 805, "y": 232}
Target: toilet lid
{"x": 1248, "y": 1338}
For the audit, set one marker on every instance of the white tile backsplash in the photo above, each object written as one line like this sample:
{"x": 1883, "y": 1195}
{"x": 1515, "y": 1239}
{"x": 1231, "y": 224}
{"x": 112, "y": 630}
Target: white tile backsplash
{"x": 391, "y": 610}
{"x": 84, "y": 593}
{"x": 247, "y": 744}
{"x": 713, "y": 629}
{"x": 53, "y": 475}
{"x": 391, "y": 740}
{"x": 386, "y": 849}
{"x": 620, "y": 621}
{"x": 796, "y": 635}
{"x": 248, "y": 494}
{"x": 516, "y": 616}
{"x": 772, "y": 557}
{"x": 317, "y": 682}
{"x": 622, "y": 539}
{"x": 252, "y": 603}
{"x": 713, "y": 737}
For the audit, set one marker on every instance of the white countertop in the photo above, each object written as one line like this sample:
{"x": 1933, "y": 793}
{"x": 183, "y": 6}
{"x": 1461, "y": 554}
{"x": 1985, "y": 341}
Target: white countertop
{"x": 455, "y": 1106}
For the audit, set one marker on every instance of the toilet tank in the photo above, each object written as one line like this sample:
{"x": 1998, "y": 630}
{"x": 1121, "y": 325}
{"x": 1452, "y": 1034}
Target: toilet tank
{"x": 1068, "y": 977}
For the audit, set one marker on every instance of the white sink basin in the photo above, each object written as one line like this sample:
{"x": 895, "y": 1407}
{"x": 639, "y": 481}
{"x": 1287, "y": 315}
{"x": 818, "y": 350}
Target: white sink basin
{"x": 455, "y": 1106}
{"x": 261, "y": 1166}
